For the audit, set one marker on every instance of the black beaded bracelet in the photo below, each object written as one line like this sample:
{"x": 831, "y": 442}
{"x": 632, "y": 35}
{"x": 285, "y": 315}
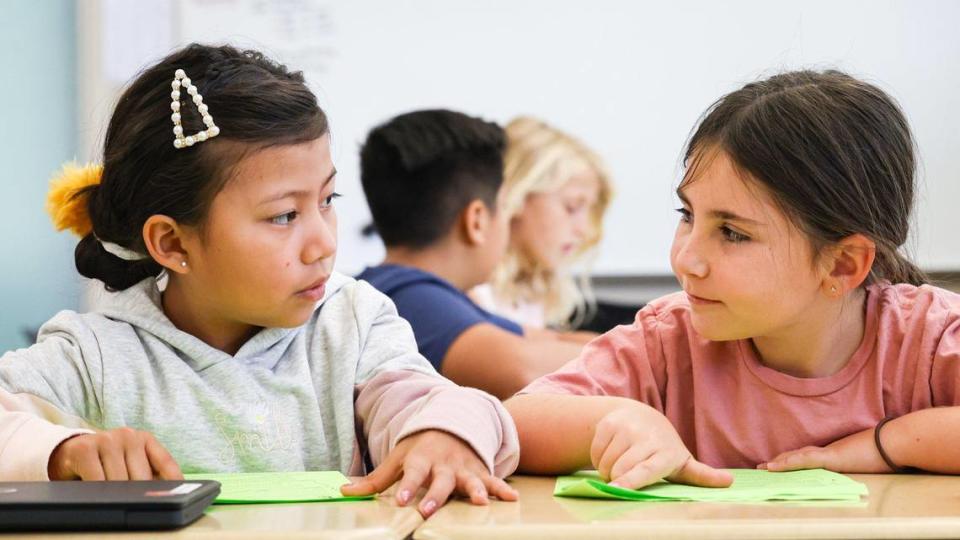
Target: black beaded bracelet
{"x": 876, "y": 439}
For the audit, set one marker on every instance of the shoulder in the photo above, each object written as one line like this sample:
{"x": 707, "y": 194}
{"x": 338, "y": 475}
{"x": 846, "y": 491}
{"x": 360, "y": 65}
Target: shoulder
{"x": 65, "y": 342}
{"x": 83, "y": 328}
{"x": 903, "y": 302}
{"x": 413, "y": 290}
{"x": 668, "y": 314}
{"x": 663, "y": 329}
{"x": 905, "y": 311}
{"x": 352, "y": 298}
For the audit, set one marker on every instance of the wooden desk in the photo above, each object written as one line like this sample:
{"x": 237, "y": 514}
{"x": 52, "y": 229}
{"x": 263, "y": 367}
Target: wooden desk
{"x": 376, "y": 519}
{"x": 899, "y": 506}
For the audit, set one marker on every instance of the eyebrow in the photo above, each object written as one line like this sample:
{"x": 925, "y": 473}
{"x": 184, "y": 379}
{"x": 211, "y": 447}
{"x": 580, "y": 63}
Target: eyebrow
{"x": 294, "y": 193}
{"x": 720, "y": 214}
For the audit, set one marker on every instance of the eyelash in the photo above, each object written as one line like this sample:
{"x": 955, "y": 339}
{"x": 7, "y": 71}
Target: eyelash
{"x": 729, "y": 234}
{"x": 328, "y": 202}
{"x": 733, "y": 236}
{"x": 292, "y": 215}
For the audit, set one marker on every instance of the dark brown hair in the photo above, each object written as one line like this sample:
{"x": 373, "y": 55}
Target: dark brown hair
{"x": 834, "y": 152}
{"x": 419, "y": 170}
{"x": 255, "y": 102}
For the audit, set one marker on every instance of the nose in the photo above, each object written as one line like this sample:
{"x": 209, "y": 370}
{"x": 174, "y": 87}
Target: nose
{"x": 581, "y": 225}
{"x": 689, "y": 259}
{"x": 320, "y": 241}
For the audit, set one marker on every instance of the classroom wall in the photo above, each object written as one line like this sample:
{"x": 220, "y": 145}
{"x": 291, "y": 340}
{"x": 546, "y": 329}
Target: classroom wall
{"x": 629, "y": 78}
{"x": 37, "y": 277}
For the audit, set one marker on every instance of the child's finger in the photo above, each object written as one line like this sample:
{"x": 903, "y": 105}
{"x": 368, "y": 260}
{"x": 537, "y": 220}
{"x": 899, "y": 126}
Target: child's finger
{"x": 616, "y": 448}
{"x": 695, "y": 473}
{"x": 635, "y": 455}
{"x": 442, "y": 484}
{"x": 88, "y": 467}
{"x": 500, "y": 488}
{"x": 161, "y": 461}
{"x": 415, "y": 473}
{"x": 138, "y": 465}
{"x": 641, "y": 474}
{"x": 598, "y": 446}
{"x": 470, "y": 485}
{"x": 112, "y": 460}
{"x": 799, "y": 459}
{"x": 378, "y": 480}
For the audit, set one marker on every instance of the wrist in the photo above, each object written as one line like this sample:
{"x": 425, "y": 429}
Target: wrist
{"x": 54, "y": 471}
{"x": 888, "y": 435}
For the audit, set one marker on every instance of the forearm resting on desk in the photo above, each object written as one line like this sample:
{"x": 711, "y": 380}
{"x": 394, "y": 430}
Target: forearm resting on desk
{"x": 927, "y": 439}
{"x": 556, "y": 431}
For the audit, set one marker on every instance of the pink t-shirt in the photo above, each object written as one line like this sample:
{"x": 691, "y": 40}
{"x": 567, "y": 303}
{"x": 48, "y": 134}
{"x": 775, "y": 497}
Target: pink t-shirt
{"x": 732, "y": 411}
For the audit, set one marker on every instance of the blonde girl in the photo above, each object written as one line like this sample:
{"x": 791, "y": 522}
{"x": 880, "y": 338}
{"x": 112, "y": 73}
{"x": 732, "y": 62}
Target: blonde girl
{"x": 555, "y": 194}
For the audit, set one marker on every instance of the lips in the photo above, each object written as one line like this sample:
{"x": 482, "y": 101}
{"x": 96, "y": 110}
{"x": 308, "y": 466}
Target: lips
{"x": 314, "y": 291}
{"x": 701, "y": 301}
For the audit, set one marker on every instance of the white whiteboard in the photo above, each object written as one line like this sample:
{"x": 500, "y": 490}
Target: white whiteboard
{"x": 629, "y": 78}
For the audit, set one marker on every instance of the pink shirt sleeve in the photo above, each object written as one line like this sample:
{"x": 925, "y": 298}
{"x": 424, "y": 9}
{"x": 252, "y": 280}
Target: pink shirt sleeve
{"x": 627, "y": 361}
{"x": 945, "y": 371}
{"x": 395, "y": 404}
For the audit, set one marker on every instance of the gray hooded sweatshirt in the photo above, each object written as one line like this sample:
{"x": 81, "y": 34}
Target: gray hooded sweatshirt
{"x": 290, "y": 399}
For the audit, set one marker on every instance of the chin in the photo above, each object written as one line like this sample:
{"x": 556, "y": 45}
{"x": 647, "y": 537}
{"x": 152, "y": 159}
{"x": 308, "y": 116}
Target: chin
{"x": 288, "y": 320}
{"x": 714, "y": 330}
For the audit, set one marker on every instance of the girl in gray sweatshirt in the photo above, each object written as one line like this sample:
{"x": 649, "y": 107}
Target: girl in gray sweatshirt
{"x": 225, "y": 341}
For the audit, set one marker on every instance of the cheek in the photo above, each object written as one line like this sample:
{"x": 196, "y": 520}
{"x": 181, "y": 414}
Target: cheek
{"x": 331, "y": 219}
{"x": 555, "y": 229}
{"x": 675, "y": 248}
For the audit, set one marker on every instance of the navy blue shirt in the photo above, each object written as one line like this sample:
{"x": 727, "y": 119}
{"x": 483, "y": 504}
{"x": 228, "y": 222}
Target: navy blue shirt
{"x": 437, "y": 311}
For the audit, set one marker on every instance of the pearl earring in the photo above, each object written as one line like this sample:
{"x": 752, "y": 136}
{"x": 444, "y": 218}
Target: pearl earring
{"x": 180, "y": 79}
{"x": 183, "y": 264}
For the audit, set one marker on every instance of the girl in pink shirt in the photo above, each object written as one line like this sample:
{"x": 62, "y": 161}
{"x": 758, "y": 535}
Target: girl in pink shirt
{"x": 802, "y": 337}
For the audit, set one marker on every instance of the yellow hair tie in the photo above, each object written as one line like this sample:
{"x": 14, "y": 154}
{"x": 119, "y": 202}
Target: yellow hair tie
{"x": 66, "y": 205}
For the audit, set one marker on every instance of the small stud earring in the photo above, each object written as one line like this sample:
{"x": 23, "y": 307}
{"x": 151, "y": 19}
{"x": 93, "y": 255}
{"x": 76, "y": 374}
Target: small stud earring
{"x": 183, "y": 264}
{"x": 833, "y": 288}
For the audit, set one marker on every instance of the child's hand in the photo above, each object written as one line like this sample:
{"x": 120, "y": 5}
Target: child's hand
{"x": 634, "y": 448}
{"x": 436, "y": 458}
{"x": 118, "y": 454}
{"x": 855, "y": 453}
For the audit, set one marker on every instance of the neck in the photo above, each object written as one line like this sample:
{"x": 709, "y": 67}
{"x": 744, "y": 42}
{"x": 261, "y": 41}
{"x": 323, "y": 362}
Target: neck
{"x": 184, "y": 311}
{"x": 450, "y": 262}
{"x": 822, "y": 343}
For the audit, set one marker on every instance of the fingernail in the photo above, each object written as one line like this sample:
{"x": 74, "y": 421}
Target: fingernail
{"x": 348, "y": 484}
{"x": 429, "y": 507}
{"x": 404, "y": 496}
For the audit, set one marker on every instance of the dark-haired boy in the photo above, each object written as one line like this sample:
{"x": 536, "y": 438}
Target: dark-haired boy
{"x": 432, "y": 179}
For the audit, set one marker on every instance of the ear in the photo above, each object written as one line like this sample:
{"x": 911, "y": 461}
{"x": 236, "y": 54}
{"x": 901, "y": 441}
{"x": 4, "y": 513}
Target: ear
{"x": 164, "y": 239}
{"x": 475, "y": 222}
{"x": 848, "y": 264}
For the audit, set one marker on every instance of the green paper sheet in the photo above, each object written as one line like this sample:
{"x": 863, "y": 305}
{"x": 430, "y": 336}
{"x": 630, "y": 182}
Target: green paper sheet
{"x": 749, "y": 485}
{"x": 277, "y": 487}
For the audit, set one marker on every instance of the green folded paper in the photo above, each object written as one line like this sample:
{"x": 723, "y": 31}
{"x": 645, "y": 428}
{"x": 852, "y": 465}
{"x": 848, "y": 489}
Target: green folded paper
{"x": 278, "y": 487}
{"x": 749, "y": 485}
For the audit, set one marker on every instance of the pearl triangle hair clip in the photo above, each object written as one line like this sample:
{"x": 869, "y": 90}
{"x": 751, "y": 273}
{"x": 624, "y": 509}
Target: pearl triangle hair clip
{"x": 180, "y": 80}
